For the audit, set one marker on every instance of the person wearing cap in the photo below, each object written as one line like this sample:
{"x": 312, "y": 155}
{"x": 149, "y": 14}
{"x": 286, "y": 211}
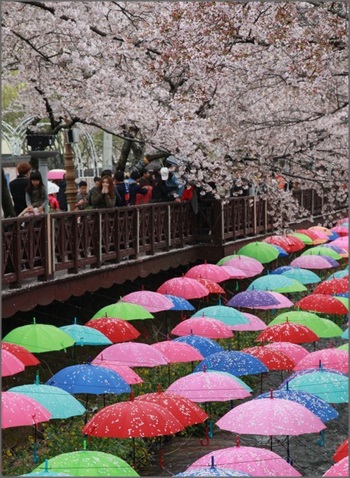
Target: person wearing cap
{"x": 176, "y": 187}
{"x": 18, "y": 187}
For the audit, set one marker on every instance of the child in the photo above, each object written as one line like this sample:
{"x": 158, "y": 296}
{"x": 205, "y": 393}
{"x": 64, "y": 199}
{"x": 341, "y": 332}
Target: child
{"x": 82, "y": 196}
{"x": 36, "y": 195}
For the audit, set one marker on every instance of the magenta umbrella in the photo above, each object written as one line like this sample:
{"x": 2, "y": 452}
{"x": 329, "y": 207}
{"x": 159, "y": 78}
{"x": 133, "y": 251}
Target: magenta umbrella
{"x": 10, "y": 364}
{"x": 184, "y": 287}
{"x": 234, "y": 272}
{"x": 342, "y": 242}
{"x": 339, "y": 469}
{"x": 255, "y": 323}
{"x": 152, "y": 301}
{"x": 313, "y": 262}
{"x": 333, "y": 358}
{"x": 176, "y": 352}
{"x": 56, "y": 174}
{"x": 256, "y": 461}
{"x": 294, "y": 351}
{"x": 208, "y": 271}
{"x": 19, "y": 410}
{"x": 124, "y": 371}
{"x": 133, "y": 354}
{"x": 284, "y": 302}
{"x": 204, "y": 327}
{"x": 250, "y": 266}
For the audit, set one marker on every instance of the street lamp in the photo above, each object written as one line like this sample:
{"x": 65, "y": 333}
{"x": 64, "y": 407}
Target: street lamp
{"x": 71, "y": 137}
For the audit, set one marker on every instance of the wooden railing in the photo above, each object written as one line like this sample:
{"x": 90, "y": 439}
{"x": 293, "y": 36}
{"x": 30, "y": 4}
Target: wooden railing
{"x": 42, "y": 246}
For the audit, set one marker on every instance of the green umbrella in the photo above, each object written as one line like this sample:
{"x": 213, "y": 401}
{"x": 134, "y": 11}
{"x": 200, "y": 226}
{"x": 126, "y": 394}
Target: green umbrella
{"x": 39, "y": 338}
{"x": 89, "y": 463}
{"x": 261, "y": 251}
{"x": 277, "y": 283}
{"x": 343, "y": 347}
{"x": 303, "y": 237}
{"x": 324, "y": 328}
{"x": 343, "y": 300}
{"x": 324, "y": 251}
{"x": 125, "y": 311}
{"x": 45, "y": 472}
{"x": 302, "y": 275}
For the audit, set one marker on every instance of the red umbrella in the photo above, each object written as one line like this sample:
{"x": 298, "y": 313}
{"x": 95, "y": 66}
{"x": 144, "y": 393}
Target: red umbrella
{"x": 10, "y": 364}
{"x": 288, "y": 243}
{"x": 322, "y": 303}
{"x": 332, "y": 286}
{"x": 294, "y": 351}
{"x": 204, "y": 327}
{"x": 287, "y": 332}
{"x": 184, "y": 410}
{"x": 208, "y": 271}
{"x": 341, "y": 230}
{"x": 342, "y": 451}
{"x": 184, "y": 287}
{"x": 212, "y": 286}
{"x": 151, "y": 301}
{"x": 116, "y": 330}
{"x": 26, "y": 357}
{"x": 316, "y": 239}
{"x": 273, "y": 359}
{"x": 298, "y": 244}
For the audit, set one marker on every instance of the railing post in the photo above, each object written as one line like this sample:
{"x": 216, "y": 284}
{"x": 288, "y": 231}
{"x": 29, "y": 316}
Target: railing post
{"x": 168, "y": 241}
{"x": 47, "y": 256}
{"x": 254, "y": 217}
{"x": 16, "y": 256}
{"x": 98, "y": 238}
{"x": 218, "y": 225}
{"x": 75, "y": 251}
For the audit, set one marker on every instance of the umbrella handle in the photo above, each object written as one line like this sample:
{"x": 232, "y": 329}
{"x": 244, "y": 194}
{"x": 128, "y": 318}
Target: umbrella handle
{"x": 206, "y": 441}
{"x": 321, "y": 441}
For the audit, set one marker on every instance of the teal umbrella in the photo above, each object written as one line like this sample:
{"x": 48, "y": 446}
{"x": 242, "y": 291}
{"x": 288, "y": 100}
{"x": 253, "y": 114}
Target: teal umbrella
{"x": 39, "y": 338}
{"x": 85, "y": 335}
{"x": 57, "y": 401}
{"x": 304, "y": 276}
{"x": 324, "y": 328}
{"x": 345, "y": 334}
{"x": 276, "y": 283}
{"x": 261, "y": 251}
{"x": 125, "y": 311}
{"x": 227, "y": 315}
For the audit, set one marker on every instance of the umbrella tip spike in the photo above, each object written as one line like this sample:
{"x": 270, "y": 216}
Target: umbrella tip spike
{"x": 212, "y": 461}
{"x": 84, "y": 445}
{"x": 271, "y": 393}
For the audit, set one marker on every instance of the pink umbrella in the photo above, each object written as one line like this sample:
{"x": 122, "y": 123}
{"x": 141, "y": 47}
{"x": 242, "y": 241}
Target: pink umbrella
{"x": 311, "y": 262}
{"x": 152, "y": 301}
{"x": 234, "y": 272}
{"x": 342, "y": 242}
{"x": 210, "y": 386}
{"x": 294, "y": 351}
{"x": 133, "y": 354}
{"x": 184, "y": 287}
{"x": 284, "y": 302}
{"x": 124, "y": 371}
{"x": 176, "y": 352}
{"x": 256, "y": 461}
{"x": 254, "y": 323}
{"x": 250, "y": 266}
{"x": 341, "y": 230}
{"x": 56, "y": 174}
{"x": 329, "y": 358}
{"x": 339, "y": 469}
{"x": 204, "y": 327}
{"x": 10, "y": 364}
{"x": 208, "y": 271}
{"x": 19, "y": 410}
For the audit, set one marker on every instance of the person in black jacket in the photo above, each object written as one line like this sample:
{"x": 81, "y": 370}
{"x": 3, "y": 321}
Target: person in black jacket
{"x": 18, "y": 187}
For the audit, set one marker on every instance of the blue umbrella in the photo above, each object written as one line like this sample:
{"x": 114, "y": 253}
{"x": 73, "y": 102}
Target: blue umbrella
{"x": 305, "y": 276}
{"x": 179, "y": 303}
{"x": 339, "y": 274}
{"x": 85, "y": 335}
{"x": 282, "y": 252}
{"x": 342, "y": 294}
{"x": 204, "y": 345}
{"x": 236, "y": 363}
{"x": 227, "y": 315}
{"x": 252, "y": 299}
{"x": 315, "y": 404}
{"x": 281, "y": 269}
{"x": 87, "y": 378}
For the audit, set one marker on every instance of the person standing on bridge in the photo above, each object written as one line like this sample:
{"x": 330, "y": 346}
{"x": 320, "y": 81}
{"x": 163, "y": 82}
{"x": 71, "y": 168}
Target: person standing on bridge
{"x": 104, "y": 196}
{"x": 19, "y": 185}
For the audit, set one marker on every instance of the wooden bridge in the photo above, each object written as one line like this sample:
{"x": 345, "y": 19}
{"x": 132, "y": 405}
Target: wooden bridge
{"x": 52, "y": 257}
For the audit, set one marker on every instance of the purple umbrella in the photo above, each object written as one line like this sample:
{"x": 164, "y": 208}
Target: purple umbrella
{"x": 252, "y": 299}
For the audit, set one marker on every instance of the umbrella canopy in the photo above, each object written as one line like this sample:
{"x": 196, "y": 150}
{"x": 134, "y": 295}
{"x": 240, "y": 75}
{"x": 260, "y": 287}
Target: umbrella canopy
{"x": 26, "y": 357}
{"x": 318, "y": 237}
{"x": 132, "y": 419}
{"x": 341, "y": 230}
{"x": 254, "y": 323}
{"x": 339, "y": 469}
{"x": 87, "y": 378}
{"x": 306, "y": 239}
{"x": 324, "y": 328}
{"x": 208, "y": 271}
{"x": 329, "y": 358}
{"x": 124, "y": 371}
{"x": 322, "y": 303}
{"x": 342, "y": 451}
{"x": 184, "y": 287}
{"x": 40, "y": 338}
{"x": 133, "y": 354}
{"x": 288, "y": 243}
{"x": 304, "y": 276}
{"x": 57, "y": 401}
{"x": 323, "y": 251}
{"x": 271, "y": 416}
{"x": 10, "y": 364}
{"x": 179, "y": 303}
{"x": 212, "y": 471}
{"x": 56, "y": 174}
{"x": 89, "y": 463}
{"x": 227, "y": 315}
{"x": 257, "y": 461}
{"x": 251, "y": 267}
{"x": 294, "y": 351}
{"x": 52, "y": 188}
{"x": 203, "y": 326}
{"x": 277, "y": 283}
{"x": 176, "y": 352}
{"x": 273, "y": 359}
{"x": 204, "y": 345}
{"x": 116, "y": 330}
{"x": 233, "y": 362}
{"x": 342, "y": 242}
{"x": 209, "y": 386}
{"x": 125, "y": 311}
{"x": 85, "y": 335}
{"x": 330, "y": 385}
{"x": 287, "y": 332}
{"x": 183, "y": 409}
{"x": 316, "y": 405}
{"x": 18, "y": 410}
{"x": 332, "y": 286}
{"x": 283, "y": 301}
{"x": 345, "y": 334}
{"x": 314, "y": 262}
{"x": 261, "y": 251}
{"x": 234, "y": 272}
{"x": 152, "y": 301}
{"x": 252, "y": 299}
{"x": 212, "y": 286}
